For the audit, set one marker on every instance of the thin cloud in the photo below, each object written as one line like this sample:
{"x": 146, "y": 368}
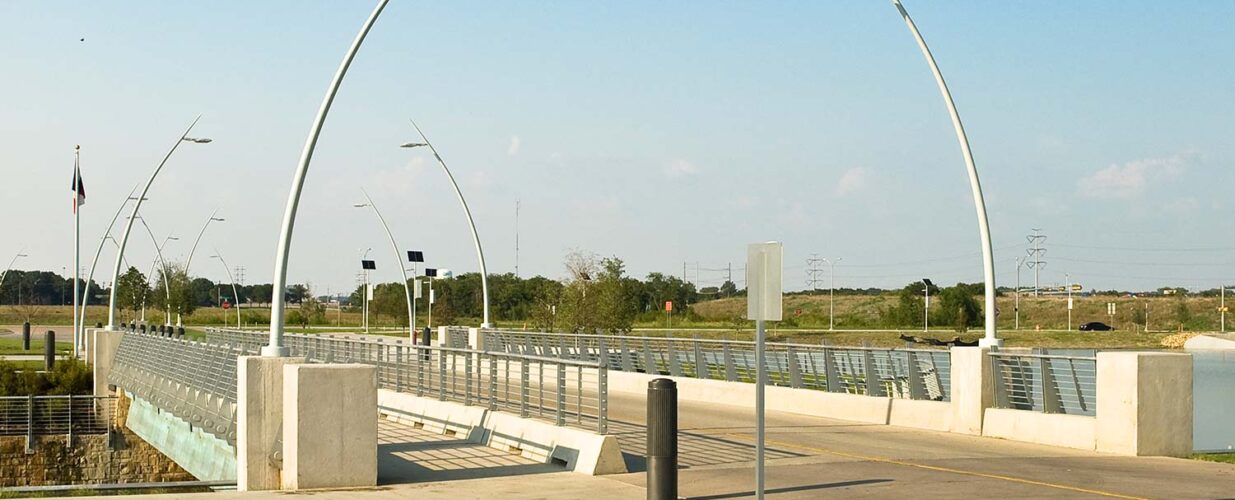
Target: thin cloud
{"x": 513, "y": 148}
{"x": 852, "y": 181}
{"x": 680, "y": 168}
{"x": 1131, "y": 179}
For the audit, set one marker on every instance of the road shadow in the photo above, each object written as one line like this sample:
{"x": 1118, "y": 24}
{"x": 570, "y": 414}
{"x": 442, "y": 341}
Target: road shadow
{"x": 792, "y": 489}
{"x": 409, "y": 455}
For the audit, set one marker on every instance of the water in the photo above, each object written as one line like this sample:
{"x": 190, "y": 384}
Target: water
{"x": 1213, "y": 400}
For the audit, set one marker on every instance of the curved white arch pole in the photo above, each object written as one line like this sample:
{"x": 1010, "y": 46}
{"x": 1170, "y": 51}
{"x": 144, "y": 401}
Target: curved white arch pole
{"x": 275, "y": 347}
{"x": 988, "y": 258}
{"x": 85, "y": 296}
{"x": 407, "y": 289}
{"x": 480, "y": 254}
{"x": 128, "y": 227}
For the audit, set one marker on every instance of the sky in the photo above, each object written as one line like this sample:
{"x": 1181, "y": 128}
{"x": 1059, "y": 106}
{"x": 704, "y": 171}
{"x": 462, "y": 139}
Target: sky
{"x": 669, "y": 134}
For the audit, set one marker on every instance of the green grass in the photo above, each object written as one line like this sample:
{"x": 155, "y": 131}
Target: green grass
{"x": 26, "y": 365}
{"x": 13, "y": 346}
{"x": 1227, "y": 458}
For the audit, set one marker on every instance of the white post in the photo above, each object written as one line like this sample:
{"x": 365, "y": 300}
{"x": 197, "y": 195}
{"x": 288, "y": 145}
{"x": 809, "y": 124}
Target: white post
{"x": 76, "y": 248}
{"x": 1068, "y": 280}
{"x": 926, "y": 308}
{"x": 128, "y": 227}
{"x": 188, "y": 261}
{"x": 764, "y": 274}
{"x": 988, "y": 256}
{"x": 760, "y": 382}
{"x": 480, "y": 254}
{"x": 1017, "y": 306}
{"x": 277, "y": 306}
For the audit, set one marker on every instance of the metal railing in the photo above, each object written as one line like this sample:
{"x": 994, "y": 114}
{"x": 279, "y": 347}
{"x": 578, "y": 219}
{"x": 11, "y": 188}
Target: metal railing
{"x": 564, "y": 391}
{"x": 32, "y": 416}
{"x": 1045, "y": 383}
{"x": 194, "y": 381}
{"x": 899, "y": 373}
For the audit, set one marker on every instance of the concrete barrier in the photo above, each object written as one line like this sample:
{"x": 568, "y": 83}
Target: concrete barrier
{"x": 1054, "y": 429}
{"x": 329, "y": 426}
{"x": 259, "y": 420}
{"x": 103, "y": 346}
{"x": 1144, "y": 403}
{"x": 1213, "y": 341}
{"x": 581, "y": 451}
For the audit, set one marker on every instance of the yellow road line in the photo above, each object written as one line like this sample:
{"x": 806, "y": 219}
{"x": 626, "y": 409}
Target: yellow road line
{"x": 946, "y": 469}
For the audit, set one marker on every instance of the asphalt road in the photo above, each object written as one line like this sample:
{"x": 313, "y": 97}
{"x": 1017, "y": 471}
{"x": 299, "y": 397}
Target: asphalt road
{"x": 811, "y": 457}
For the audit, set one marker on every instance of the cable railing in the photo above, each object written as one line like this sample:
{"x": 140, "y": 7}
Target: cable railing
{"x": 1045, "y": 383}
{"x": 563, "y": 391}
{"x": 899, "y": 373}
{"x": 194, "y": 381}
{"x": 69, "y": 416}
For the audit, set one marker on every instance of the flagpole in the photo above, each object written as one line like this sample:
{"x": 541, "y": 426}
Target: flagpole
{"x": 76, "y": 246}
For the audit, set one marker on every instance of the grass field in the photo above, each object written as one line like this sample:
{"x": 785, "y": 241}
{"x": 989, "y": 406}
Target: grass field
{"x": 1228, "y": 458}
{"x": 13, "y": 346}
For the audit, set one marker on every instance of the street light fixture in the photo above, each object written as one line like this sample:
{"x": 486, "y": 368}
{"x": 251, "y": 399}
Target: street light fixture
{"x": 11, "y": 262}
{"x": 480, "y": 254}
{"x": 128, "y": 228}
{"x": 411, "y": 307}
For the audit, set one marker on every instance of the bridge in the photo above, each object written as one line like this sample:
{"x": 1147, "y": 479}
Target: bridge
{"x": 858, "y": 420}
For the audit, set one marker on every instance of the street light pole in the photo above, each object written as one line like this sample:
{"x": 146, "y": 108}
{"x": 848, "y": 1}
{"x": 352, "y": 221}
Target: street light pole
{"x": 988, "y": 256}
{"x": 277, "y": 308}
{"x": 364, "y": 295}
{"x": 235, "y": 293}
{"x": 193, "y": 249}
{"x": 831, "y": 288}
{"x": 480, "y": 254}
{"x": 167, "y": 284}
{"x": 926, "y": 307}
{"x": 128, "y": 227}
{"x": 81, "y": 321}
{"x": 407, "y": 289}
{"x": 18, "y": 255}
{"x": 1068, "y": 280}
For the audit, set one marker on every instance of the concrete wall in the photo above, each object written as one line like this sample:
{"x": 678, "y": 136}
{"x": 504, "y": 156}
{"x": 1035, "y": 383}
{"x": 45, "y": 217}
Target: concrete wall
{"x": 329, "y": 426}
{"x": 103, "y": 347}
{"x": 932, "y": 415}
{"x": 1054, "y": 429}
{"x": 973, "y": 388}
{"x": 581, "y": 451}
{"x": 259, "y": 420}
{"x": 1144, "y": 403}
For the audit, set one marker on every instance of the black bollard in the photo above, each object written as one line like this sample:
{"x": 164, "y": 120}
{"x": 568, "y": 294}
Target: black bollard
{"x": 49, "y": 350}
{"x": 99, "y": 325}
{"x": 143, "y": 328}
{"x": 426, "y": 338}
{"x": 662, "y": 444}
{"x": 180, "y": 332}
{"x": 25, "y": 336}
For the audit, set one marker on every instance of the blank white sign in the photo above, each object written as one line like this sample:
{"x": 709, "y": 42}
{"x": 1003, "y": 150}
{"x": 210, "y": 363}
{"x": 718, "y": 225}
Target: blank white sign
{"x": 764, "y": 283}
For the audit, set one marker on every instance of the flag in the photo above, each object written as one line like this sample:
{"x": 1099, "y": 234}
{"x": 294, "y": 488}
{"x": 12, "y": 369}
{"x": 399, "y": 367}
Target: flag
{"x": 79, "y": 188}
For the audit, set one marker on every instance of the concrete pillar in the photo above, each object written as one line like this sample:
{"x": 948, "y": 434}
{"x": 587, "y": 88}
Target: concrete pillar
{"x": 475, "y": 340}
{"x": 259, "y": 419}
{"x": 103, "y": 346}
{"x": 973, "y": 388}
{"x": 329, "y": 426}
{"x": 1144, "y": 403}
{"x": 441, "y": 340}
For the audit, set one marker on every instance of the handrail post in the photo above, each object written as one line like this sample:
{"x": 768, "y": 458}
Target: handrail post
{"x": 560, "y": 416}
{"x": 523, "y": 387}
{"x": 1050, "y": 392}
{"x": 602, "y": 377}
{"x": 830, "y": 371}
{"x": 795, "y": 369}
{"x": 492, "y": 383}
{"x": 30, "y": 424}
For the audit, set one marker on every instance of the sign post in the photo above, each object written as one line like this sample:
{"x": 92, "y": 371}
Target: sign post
{"x": 668, "y": 314}
{"x": 764, "y": 287}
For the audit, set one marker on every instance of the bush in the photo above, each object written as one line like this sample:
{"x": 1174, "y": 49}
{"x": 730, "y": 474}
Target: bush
{"x": 69, "y": 376}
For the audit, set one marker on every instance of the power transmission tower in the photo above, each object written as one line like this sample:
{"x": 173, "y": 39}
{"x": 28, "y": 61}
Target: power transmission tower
{"x": 1035, "y": 255}
{"x": 814, "y": 272}
{"x": 239, "y": 271}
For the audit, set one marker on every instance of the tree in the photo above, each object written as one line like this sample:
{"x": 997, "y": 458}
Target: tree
{"x": 172, "y": 292}
{"x": 297, "y": 293}
{"x": 728, "y": 289}
{"x": 959, "y": 308}
{"x": 132, "y": 290}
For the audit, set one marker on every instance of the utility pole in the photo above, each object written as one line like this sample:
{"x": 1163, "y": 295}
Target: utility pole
{"x": 814, "y": 271}
{"x": 1035, "y": 254}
